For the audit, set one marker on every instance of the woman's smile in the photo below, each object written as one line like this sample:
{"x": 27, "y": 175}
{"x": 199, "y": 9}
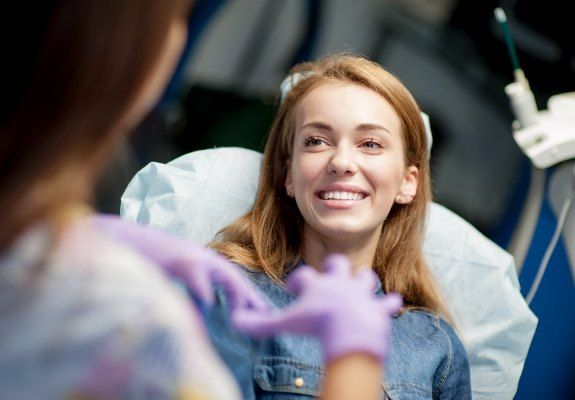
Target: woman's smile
{"x": 341, "y": 196}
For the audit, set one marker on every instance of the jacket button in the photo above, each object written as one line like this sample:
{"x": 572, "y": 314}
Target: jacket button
{"x": 298, "y": 382}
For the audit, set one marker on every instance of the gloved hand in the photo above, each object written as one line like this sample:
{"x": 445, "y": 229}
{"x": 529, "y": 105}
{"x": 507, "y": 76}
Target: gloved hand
{"x": 196, "y": 266}
{"x": 339, "y": 308}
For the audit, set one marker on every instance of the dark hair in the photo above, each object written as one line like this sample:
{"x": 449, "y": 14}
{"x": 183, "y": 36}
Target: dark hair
{"x": 72, "y": 79}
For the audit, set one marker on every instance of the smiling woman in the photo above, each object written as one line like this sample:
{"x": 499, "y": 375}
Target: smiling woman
{"x": 345, "y": 169}
{"x": 347, "y": 173}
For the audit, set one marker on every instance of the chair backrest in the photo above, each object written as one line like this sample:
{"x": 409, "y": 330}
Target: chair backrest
{"x": 199, "y": 193}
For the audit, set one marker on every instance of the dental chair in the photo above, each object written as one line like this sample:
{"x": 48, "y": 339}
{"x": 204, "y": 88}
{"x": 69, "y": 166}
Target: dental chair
{"x": 199, "y": 193}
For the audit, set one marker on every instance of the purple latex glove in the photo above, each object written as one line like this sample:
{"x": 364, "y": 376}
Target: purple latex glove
{"x": 196, "y": 266}
{"x": 339, "y": 308}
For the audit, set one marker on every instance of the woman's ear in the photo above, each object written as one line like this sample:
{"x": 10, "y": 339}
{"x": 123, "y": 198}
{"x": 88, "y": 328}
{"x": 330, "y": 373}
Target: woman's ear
{"x": 289, "y": 184}
{"x": 408, "y": 186}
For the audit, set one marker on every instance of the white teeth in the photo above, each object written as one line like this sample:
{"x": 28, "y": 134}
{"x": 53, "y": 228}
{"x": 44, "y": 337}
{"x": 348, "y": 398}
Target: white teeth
{"x": 342, "y": 196}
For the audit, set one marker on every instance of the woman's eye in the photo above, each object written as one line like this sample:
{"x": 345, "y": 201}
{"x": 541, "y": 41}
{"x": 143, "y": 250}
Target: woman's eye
{"x": 372, "y": 144}
{"x": 313, "y": 141}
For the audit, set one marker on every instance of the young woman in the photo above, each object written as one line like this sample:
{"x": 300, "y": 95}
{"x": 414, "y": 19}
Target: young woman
{"x": 82, "y": 316}
{"x": 345, "y": 169}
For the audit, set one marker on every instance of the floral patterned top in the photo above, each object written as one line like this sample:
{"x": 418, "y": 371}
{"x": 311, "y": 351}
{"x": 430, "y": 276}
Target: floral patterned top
{"x": 82, "y": 317}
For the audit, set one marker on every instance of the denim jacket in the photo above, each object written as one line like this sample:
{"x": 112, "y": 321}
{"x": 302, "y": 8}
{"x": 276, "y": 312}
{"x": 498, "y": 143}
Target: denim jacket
{"x": 426, "y": 359}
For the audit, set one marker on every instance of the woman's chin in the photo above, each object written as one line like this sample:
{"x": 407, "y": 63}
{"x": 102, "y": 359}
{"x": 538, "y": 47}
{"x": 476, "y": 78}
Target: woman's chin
{"x": 348, "y": 231}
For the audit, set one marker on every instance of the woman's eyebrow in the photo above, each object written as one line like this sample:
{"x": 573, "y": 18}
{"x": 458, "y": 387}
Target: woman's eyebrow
{"x": 318, "y": 125}
{"x": 365, "y": 127}
{"x": 371, "y": 127}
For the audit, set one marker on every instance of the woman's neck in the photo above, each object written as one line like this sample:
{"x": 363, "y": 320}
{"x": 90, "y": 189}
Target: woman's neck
{"x": 72, "y": 213}
{"x": 360, "y": 249}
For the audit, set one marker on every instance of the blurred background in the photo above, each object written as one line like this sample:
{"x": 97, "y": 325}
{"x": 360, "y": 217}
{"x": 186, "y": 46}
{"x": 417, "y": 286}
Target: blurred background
{"x": 451, "y": 56}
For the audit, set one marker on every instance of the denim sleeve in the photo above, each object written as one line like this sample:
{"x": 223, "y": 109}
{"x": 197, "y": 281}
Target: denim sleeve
{"x": 452, "y": 379}
{"x": 236, "y": 350}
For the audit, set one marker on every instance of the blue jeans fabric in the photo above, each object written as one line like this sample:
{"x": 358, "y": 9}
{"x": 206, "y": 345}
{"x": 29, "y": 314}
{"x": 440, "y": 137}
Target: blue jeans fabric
{"x": 426, "y": 359}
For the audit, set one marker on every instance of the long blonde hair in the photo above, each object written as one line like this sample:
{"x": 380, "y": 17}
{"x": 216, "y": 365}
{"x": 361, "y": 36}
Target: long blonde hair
{"x": 263, "y": 238}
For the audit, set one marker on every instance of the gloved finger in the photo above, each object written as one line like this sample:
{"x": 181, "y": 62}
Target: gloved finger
{"x": 337, "y": 264}
{"x": 300, "y": 278}
{"x": 366, "y": 278}
{"x": 261, "y": 324}
{"x": 391, "y": 303}
{"x": 241, "y": 294}
{"x": 204, "y": 255}
{"x": 197, "y": 281}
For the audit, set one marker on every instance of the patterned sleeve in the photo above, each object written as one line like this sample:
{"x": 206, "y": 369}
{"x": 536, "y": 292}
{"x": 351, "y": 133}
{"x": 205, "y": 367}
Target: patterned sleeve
{"x": 101, "y": 322}
{"x": 155, "y": 362}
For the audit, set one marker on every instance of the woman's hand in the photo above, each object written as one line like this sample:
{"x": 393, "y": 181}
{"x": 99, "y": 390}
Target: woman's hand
{"x": 337, "y": 307}
{"x": 199, "y": 268}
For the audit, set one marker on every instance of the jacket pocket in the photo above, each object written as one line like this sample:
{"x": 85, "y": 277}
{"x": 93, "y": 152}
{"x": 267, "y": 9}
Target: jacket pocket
{"x": 406, "y": 391}
{"x": 282, "y": 375}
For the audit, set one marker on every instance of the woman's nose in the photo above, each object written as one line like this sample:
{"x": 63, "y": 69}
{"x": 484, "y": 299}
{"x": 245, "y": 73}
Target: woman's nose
{"x": 342, "y": 163}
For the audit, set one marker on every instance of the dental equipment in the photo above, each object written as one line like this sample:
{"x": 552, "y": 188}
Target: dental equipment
{"x": 519, "y": 92}
{"x": 547, "y": 137}
{"x": 551, "y": 247}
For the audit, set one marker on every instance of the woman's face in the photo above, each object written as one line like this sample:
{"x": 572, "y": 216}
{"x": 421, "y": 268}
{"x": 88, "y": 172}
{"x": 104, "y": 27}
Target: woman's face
{"x": 348, "y": 165}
